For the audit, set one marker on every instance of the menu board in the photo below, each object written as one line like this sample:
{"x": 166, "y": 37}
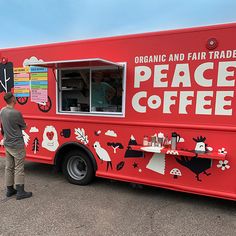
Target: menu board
{"x": 21, "y": 82}
{"x": 39, "y": 85}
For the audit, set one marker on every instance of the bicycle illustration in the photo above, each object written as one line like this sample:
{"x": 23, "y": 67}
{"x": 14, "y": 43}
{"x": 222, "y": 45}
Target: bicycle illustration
{"x": 43, "y": 106}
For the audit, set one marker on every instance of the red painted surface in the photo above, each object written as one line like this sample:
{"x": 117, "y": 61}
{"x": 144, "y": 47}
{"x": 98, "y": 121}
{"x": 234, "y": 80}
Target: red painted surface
{"x": 219, "y": 129}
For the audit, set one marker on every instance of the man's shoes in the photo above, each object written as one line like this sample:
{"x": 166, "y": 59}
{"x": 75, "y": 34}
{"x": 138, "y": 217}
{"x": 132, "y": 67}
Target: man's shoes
{"x": 10, "y": 191}
{"x": 21, "y": 194}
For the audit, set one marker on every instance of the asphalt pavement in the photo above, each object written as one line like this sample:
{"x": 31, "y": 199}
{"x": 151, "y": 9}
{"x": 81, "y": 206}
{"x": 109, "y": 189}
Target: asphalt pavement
{"x": 109, "y": 208}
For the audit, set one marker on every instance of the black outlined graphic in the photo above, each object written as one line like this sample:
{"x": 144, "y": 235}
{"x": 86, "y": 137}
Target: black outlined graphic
{"x": 6, "y": 77}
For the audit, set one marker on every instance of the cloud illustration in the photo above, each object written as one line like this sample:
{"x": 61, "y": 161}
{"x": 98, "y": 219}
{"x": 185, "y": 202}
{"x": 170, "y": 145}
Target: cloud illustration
{"x": 111, "y": 133}
{"x": 33, "y": 59}
{"x": 181, "y": 140}
{"x": 34, "y": 130}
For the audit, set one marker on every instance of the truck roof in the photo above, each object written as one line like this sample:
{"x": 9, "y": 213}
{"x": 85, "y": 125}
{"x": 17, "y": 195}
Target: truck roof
{"x": 119, "y": 37}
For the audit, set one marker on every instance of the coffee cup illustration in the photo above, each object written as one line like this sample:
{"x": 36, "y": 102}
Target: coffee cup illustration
{"x": 65, "y": 133}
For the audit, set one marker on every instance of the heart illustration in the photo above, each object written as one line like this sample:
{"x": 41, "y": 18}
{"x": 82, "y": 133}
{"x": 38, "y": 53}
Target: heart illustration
{"x": 50, "y": 135}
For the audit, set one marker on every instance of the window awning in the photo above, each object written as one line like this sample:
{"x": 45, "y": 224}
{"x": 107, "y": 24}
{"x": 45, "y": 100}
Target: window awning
{"x": 90, "y": 62}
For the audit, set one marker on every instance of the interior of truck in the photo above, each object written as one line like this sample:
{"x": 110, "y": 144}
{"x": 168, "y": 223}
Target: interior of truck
{"x": 91, "y": 90}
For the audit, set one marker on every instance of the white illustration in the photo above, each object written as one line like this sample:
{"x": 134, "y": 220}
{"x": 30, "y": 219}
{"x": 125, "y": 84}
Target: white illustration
{"x": 111, "y": 133}
{"x": 152, "y": 149}
{"x": 50, "y": 138}
{"x": 200, "y": 147}
{"x": 176, "y": 173}
{"x": 200, "y": 144}
{"x": 34, "y": 130}
{"x": 97, "y": 133}
{"x": 81, "y": 136}
{"x": 1, "y": 142}
{"x": 35, "y": 145}
{"x": 209, "y": 149}
{"x": 115, "y": 146}
{"x": 26, "y": 138}
{"x": 181, "y": 140}
{"x": 223, "y": 164}
{"x": 33, "y": 59}
{"x": 157, "y": 163}
{"x": 102, "y": 154}
{"x": 5, "y": 80}
{"x": 172, "y": 152}
{"x": 222, "y": 151}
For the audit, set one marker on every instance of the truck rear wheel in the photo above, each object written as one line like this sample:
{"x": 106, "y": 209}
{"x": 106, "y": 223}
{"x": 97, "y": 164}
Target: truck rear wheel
{"x": 78, "y": 168}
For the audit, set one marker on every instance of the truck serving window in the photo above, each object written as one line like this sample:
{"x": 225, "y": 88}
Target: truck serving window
{"x": 92, "y": 90}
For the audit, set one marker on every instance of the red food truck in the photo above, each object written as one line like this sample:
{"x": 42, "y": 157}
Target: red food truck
{"x": 156, "y": 108}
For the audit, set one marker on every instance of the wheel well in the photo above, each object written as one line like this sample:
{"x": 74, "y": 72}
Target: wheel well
{"x": 65, "y": 148}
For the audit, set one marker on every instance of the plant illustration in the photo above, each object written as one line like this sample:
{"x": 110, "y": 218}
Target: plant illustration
{"x": 81, "y": 136}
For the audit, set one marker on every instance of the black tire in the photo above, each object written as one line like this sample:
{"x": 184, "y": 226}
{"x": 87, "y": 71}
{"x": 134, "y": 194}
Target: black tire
{"x": 45, "y": 107}
{"x": 78, "y": 168}
{"x": 22, "y": 100}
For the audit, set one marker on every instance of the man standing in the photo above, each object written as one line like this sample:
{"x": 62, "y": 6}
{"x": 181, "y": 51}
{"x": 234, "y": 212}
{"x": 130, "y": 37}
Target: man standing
{"x": 12, "y": 125}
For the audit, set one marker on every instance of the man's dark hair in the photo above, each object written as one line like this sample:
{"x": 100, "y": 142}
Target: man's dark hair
{"x": 8, "y": 97}
{"x": 98, "y": 74}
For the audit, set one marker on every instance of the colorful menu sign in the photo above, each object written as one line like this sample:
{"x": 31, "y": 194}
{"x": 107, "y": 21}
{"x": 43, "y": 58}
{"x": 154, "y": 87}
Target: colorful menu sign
{"x": 39, "y": 84}
{"x": 37, "y": 69}
{"x": 18, "y": 70}
{"x": 21, "y": 82}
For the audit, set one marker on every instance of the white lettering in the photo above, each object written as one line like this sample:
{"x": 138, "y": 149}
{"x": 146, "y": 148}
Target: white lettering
{"x": 168, "y": 101}
{"x": 142, "y": 73}
{"x": 135, "y": 102}
{"x": 154, "y": 102}
{"x": 136, "y": 60}
{"x": 221, "y": 103}
{"x": 201, "y": 103}
{"x": 184, "y": 101}
{"x": 199, "y": 74}
{"x": 158, "y": 76}
{"x": 223, "y": 73}
{"x": 181, "y": 75}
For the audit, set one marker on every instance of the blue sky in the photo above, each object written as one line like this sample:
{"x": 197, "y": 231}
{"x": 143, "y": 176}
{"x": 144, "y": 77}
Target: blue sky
{"x": 30, "y": 22}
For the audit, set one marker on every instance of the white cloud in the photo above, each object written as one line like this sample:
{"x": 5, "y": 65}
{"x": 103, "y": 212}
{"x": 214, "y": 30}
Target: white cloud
{"x": 111, "y": 133}
{"x": 33, "y": 59}
{"x": 34, "y": 130}
{"x": 181, "y": 140}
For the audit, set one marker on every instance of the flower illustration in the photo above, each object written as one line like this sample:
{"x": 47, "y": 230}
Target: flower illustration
{"x": 222, "y": 151}
{"x": 223, "y": 165}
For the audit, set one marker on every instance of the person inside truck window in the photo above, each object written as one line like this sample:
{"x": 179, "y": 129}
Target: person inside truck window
{"x": 83, "y": 92}
{"x": 83, "y": 97}
{"x": 117, "y": 99}
{"x": 102, "y": 92}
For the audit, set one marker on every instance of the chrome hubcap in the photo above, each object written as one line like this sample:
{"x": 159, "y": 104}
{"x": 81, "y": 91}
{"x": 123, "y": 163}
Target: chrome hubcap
{"x": 77, "y": 167}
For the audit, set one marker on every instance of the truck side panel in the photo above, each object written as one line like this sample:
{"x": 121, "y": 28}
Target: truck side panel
{"x": 175, "y": 82}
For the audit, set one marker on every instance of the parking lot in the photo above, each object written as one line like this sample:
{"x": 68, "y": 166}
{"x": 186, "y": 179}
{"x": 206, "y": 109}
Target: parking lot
{"x": 109, "y": 208}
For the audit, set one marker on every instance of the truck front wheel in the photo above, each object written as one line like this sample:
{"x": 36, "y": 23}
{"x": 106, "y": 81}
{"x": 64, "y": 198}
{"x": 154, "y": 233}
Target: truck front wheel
{"x": 77, "y": 168}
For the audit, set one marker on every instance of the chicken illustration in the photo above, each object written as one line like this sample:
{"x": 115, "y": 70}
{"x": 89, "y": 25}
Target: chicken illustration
{"x": 102, "y": 154}
{"x": 195, "y": 164}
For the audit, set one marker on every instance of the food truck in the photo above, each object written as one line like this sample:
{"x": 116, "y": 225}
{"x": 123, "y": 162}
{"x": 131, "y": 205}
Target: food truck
{"x": 156, "y": 108}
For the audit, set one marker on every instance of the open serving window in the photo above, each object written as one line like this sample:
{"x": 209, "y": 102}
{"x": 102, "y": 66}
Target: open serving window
{"x": 89, "y": 86}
